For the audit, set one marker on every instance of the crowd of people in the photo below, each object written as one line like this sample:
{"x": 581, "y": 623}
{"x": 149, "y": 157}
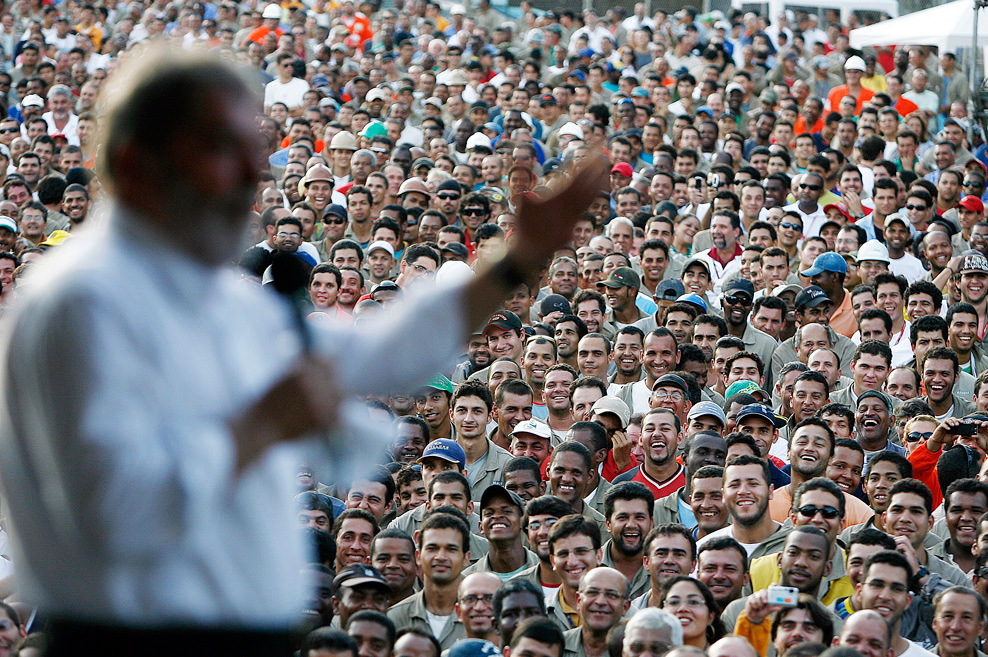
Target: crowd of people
{"x": 758, "y": 362}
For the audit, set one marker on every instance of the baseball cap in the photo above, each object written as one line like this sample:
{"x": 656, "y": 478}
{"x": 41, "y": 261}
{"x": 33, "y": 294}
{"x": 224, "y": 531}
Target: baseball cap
{"x": 534, "y": 427}
{"x": 694, "y": 299}
{"x": 571, "y": 129}
{"x": 623, "y": 168}
{"x": 762, "y": 411}
{"x": 874, "y": 250}
{"x": 734, "y": 86}
{"x": 740, "y": 285}
{"x": 553, "y": 303}
{"x": 552, "y": 165}
{"x": 376, "y": 94}
{"x": 821, "y": 62}
{"x": 786, "y": 287}
{"x": 697, "y": 260}
{"x": 440, "y": 382}
{"x": 673, "y": 380}
{"x": 445, "y": 449}
{"x": 356, "y": 574}
{"x": 707, "y": 408}
{"x": 381, "y": 244}
{"x": 497, "y": 490}
{"x": 474, "y": 647}
{"x": 812, "y": 297}
{"x": 34, "y": 100}
{"x": 854, "y": 63}
{"x": 828, "y": 261}
{"x": 672, "y": 288}
{"x": 503, "y": 319}
{"x": 839, "y": 208}
{"x": 742, "y": 385}
{"x": 974, "y": 262}
{"x": 972, "y": 203}
{"x": 579, "y": 75}
{"x": 621, "y": 277}
{"x": 9, "y": 224}
{"x": 458, "y": 249}
{"x": 612, "y": 404}
{"x": 875, "y": 393}
{"x": 898, "y": 216}
{"x": 478, "y": 139}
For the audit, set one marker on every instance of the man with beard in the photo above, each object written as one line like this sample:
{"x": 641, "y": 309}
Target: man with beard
{"x": 393, "y": 554}
{"x": 661, "y": 437}
{"x": 603, "y": 601}
{"x": 908, "y": 520}
{"x": 351, "y": 288}
{"x": 658, "y": 357}
{"x": 700, "y": 449}
{"x": 474, "y": 605}
{"x": 501, "y": 514}
{"x": 628, "y": 511}
{"x": 76, "y": 204}
{"x": 670, "y": 551}
{"x": 747, "y": 491}
{"x": 443, "y": 551}
{"x": 621, "y": 291}
{"x": 541, "y": 514}
{"x": 478, "y": 357}
{"x": 738, "y": 297}
{"x": 872, "y": 420}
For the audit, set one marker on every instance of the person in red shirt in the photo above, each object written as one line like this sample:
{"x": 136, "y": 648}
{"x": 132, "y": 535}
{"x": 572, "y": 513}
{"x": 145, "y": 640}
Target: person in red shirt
{"x": 662, "y": 433}
{"x": 269, "y": 23}
{"x": 927, "y": 454}
{"x": 854, "y": 68}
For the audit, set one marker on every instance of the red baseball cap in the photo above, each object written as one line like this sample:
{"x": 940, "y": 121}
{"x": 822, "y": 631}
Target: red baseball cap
{"x": 972, "y": 203}
{"x": 622, "y": 168}
{"x": 840, "y": 208}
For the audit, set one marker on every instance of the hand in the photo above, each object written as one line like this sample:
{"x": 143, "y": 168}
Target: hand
{"x": 697, "y": 195}
{"x": 757, "y": 608}
{"x": 905, "y": 548}
{"x": 853, "y": 202}
{"x": 942, "y": 434}
{"x": 546, "y": 223}
{"x": 621, "y": 449}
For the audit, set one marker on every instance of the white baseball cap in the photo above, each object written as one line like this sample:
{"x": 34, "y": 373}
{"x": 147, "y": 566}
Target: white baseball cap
{"x": 571, "y": 129}
{"x": 854, "y": 63}
{"x": 478, "y": 139}
{"x": 534, "y": 427}
{"x": 381, "y": 244}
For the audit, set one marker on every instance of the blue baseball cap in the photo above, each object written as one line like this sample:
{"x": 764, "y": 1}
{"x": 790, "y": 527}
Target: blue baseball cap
{"x": 812, "y": 296}
{"x": 447, "y": 450}
{"x": 761, "y": 411}
{"x": 695, "y": 299}
{"x": 829, "y": 261}
{"x": 474, "y": 648}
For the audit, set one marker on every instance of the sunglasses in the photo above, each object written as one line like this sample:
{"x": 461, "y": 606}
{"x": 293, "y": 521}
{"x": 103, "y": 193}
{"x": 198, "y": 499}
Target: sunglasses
{"x": 808, "y": 511}
{"x": 971, "y": 184}
{"x": 447, "y": 197}
{"x": 735, "y": 300}
{"x": 812, "y": 188}
{"x": 4, "y": 131}
{"x": 337, "y": 221}
{"x": 913, "y": 436}
{"x": 473, "y": 212}
{"x": 789, "y": 226}
{"x": 915, "y": 207}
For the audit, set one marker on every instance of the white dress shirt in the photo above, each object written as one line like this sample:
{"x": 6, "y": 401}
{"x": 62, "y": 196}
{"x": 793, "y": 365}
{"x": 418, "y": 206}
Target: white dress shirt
{"x": 125, "y": 363}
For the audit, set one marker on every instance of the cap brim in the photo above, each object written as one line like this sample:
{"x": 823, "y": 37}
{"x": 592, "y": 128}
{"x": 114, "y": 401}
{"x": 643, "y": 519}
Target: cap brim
{"x": 501, "y": 325}
{"x": 812, "y": 271}
{"x": 448, "y": 459}
{"x": 357, "y": 581}
{"x": 611, "y": 284}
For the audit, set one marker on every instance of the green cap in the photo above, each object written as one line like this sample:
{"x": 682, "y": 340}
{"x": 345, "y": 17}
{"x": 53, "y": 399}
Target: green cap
{"x": 440, "y": 382}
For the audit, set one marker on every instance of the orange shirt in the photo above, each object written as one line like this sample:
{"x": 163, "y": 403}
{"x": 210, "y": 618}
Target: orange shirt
{"x": 260, "y": 33}
{"x": 835, "y": 95}
{"x": 843, "y": 320}
{"x": 855, "y": 511}
{"x": 925, "y": 469}
{"x": 800, "y": 126}
{"x": 905, "y": 107}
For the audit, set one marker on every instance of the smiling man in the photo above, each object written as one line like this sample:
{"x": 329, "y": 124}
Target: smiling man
{"x": 474, "y": 605}
{"x": 470, "y": 412}
{"x": 501, "y": 514}
{"x": 959, "y": 621}
{"x": 604, "y": 600}
{"x": 700, "y": 449}
{"x": 628, "y": 511}
{"x": 661, "y": 437}
{"x": 574, "y": 549}
{"x": 870, "y": 366}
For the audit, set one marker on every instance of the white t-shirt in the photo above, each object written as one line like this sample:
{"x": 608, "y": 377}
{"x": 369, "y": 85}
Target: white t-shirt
{"x": 909, "y": 266}
{"x": 289, "y": 93}
{"x": 437, "y": 623}
{"x": 915, "y": 650}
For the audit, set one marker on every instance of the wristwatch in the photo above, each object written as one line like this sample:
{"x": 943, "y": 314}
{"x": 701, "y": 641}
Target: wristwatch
{"x": 922, "y": 572}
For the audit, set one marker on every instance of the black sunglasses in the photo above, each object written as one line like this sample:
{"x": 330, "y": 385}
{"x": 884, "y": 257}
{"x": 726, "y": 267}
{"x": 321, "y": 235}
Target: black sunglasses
{"x": 339, "y": 221}
{"x": 913, "y": 436}
{"x": 473, "y": 212}
{"x": 808, "y": 511}
{"x": 812, "y": 188}
{"x": 735, "y": 300}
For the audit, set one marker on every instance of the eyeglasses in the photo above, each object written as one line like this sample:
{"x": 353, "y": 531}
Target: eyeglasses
{"x": 610, "y": 594}
{"x": 735, "y": 300}
{"x": 662, "y": 395}
{"x": 789, "y": 226}
{"x": 808, "y": 511}
{"x": 447, "y": 197}
{"x": 692, "y": 603}
{"x": 812, "y": 188}
{"x": 337, "y": 221}
{"x": 913, "y": 436}
{"x": 474, "y": 599}
{"x": 473, "y": 212}
{"x": 915, "y": 207}
{"x": 535, "y": 525}
{"x": 562, "y": 555}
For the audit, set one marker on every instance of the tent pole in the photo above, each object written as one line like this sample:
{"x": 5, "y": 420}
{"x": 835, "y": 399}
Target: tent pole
{"x": 973, "y": 73}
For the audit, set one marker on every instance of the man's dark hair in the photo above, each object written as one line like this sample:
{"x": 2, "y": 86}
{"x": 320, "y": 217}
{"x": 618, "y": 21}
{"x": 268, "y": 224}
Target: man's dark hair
{"x": 872, "y": 536}
{"x": 572, "y": 525}
{"x": 671, "y": 529}
{"x": 925, "y": 287}
{"x": 450, "y": 477}
{"x": 901, "y": 462}
{"x": 323, "y": 545}
{"x": 372, "y": 616}
{"x": 543, "y": 630}
{"x": 574, "y": 447}
{"x": 523, "y": 464}
{"x": 745, "y": 459}
{"x": 472, "y": 388}
{"x": 354, "y": 513}
{"x": 875, "y": 347}
{"x": 445, "y": 520}
{"x": 51, "y": 189}
{"x": 329, "y": 639}
{"x": 519, "y": 585}
{"x": 915, "y": 487}
{"x": 628, "y": 490}
{"x": 726, "y": 543}
{"x": 928, "y": 324}
{"x": 891, "y": 558}
{"x": 419, "y": 632}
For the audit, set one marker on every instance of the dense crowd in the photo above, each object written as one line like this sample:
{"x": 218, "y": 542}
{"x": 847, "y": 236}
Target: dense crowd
{"x": 759, "y": 363}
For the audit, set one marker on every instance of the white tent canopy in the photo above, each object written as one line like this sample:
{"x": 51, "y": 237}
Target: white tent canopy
{"x": 775, "y": 7}
{"x": 947, "y": 27}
